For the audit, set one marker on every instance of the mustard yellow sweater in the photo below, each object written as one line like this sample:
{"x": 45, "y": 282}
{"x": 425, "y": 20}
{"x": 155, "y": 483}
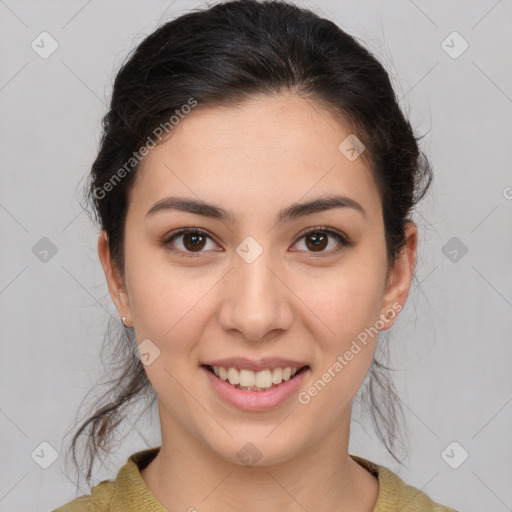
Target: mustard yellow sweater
{"x": 129, "y": 492}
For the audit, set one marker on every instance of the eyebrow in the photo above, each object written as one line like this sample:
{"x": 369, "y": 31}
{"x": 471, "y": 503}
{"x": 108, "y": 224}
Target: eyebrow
{"x": 287, "y": 214}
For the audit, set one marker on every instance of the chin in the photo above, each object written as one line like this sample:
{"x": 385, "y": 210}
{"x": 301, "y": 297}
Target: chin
{"x": 255, "y": 448}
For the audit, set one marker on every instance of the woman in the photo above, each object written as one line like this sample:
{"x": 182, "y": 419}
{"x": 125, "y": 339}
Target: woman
{"x": 254, "y": 188}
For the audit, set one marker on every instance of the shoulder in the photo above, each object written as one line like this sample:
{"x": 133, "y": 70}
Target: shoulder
{"x": 98, "y": 501}
{"x": 128, "y": 492}
{"x": 395, "y": 494}
{"x": 407, "y": 497}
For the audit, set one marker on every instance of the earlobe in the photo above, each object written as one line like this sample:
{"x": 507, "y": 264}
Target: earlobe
{"x": 114, "y": 279}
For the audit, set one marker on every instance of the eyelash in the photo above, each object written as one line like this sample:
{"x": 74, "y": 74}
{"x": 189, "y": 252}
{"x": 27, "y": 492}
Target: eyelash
{"x": 342, "y": 240}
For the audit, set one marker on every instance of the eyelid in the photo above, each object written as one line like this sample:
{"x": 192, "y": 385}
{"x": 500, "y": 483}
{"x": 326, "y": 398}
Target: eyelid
{"x": 325, "y": 229}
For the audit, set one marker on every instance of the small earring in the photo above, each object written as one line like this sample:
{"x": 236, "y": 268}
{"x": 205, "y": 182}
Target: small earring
{"x": 124, "y": 318}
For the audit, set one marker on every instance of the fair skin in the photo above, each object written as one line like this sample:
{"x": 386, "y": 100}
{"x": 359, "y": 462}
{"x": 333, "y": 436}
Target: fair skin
{"x": 254, "y": 160}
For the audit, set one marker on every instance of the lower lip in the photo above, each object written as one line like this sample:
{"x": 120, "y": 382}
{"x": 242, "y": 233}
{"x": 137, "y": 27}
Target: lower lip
{"x": 255, "y": 400}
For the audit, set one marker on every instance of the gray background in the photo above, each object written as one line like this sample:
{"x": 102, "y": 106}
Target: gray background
{"x": 452, "y": 342}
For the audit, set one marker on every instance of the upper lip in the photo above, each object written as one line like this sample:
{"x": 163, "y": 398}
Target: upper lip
{"x": 269, "y": 363}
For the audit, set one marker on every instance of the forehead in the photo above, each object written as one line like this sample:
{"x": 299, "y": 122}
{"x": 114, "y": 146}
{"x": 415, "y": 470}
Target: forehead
{"x": 278, "y": 149}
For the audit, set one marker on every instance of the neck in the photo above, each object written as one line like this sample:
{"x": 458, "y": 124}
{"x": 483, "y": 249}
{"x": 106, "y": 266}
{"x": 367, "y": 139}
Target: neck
{"x": 186, "y": 475}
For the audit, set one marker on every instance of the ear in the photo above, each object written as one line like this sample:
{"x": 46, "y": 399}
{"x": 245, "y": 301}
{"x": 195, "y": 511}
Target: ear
{"x": 115, "y": 283}
{"x": 399, "y": 278}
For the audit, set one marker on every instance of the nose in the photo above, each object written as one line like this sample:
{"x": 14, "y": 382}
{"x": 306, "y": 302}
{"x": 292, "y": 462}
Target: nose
{"x": 256, "y": 301}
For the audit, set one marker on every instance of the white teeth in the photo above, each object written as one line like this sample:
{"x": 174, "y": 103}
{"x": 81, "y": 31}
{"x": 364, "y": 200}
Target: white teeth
{"x": 277, "y": 376}
{"x": 255, "y": 381}
{"x": 247, "y": 378}
{"x": 264, "y": 379}
{"x": 233, "y": 376}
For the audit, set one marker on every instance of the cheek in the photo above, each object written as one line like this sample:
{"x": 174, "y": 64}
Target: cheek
{"x": 171, "y": 310}
{"x": 350, "y": 306}
{"x": 166, "y": 301}
{"x": 349, "y": 299}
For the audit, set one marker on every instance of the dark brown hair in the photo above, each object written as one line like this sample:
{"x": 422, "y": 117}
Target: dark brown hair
{"x": 223, "y": 55}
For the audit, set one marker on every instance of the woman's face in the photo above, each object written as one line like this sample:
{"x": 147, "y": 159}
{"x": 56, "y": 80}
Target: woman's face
{"x": 250, "y": 291}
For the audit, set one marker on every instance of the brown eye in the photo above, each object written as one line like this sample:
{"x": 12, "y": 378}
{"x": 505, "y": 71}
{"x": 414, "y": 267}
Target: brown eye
{"x": 188, "y": 242}
{"x": 194, "y": 241}
{"x": 316, "y": 240}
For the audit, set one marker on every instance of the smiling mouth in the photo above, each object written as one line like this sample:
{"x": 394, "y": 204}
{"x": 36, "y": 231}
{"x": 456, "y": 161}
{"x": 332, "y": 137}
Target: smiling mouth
{"x": 248, "y": 380}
